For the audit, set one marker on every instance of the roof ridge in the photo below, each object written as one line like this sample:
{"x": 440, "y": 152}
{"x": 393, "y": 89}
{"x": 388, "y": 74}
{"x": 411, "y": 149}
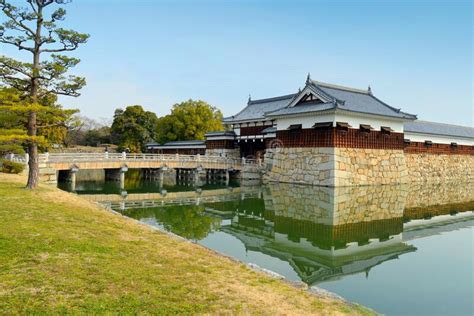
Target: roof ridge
{"x": 283, "y": 97}
{"x": 186, "y": 141}
{"x": 448, "y": 124}
{"x": 339, "y": 87}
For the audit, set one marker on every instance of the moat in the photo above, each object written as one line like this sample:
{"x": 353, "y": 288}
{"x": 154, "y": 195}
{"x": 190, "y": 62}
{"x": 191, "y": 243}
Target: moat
{"x": 397, "y": 249}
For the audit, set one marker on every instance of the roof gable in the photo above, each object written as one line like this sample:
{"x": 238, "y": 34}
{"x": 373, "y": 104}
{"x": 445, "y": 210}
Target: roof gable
{"x": 256, "y": 109}
{"x": 310, "y": 90}
{"x": 322, "y": 97}
{"x": 339, "y": 97}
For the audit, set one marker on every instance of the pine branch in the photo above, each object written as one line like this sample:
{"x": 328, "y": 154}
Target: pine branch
{"x": 17, "y": 18}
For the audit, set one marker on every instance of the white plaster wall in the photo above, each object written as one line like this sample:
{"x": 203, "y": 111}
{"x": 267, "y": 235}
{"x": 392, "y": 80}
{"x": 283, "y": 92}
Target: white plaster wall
{"x": 375, "y": 122}
{"x": 354, "y": 120}
{"x": 307, "y": 121}
{"x": 437, "y": 139}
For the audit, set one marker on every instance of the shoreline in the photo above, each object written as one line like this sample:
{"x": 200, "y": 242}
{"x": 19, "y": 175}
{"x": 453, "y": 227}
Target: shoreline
{"x": 313, "y": 290}
{"x": 271, "y": 294}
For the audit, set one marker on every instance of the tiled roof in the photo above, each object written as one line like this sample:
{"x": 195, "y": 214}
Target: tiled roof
{"x": 304, "y": 108}
{"x": 220, "y": 133}
{"x": 271, "y": 129}
{"x": 424, "y": 127}
{"x": 179, "y": 143}
{"x": 256, "y": 109}
{"x": 361, "y": 101}
{"x": 343, "y": 98}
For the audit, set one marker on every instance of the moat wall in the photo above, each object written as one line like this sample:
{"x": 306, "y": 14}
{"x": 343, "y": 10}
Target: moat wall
{"x": 336, "y": 166}
{"x": 326, "y": 166}
{"x": 438, "y": 168}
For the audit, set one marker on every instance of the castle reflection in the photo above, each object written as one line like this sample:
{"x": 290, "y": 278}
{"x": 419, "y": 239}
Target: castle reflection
{"x": 322, "y": 233}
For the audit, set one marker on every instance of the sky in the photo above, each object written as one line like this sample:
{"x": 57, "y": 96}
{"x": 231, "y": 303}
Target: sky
{"x": 415, "y": 55}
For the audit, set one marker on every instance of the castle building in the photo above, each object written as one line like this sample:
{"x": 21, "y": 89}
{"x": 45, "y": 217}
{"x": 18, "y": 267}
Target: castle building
{"x": 332, "y": 135}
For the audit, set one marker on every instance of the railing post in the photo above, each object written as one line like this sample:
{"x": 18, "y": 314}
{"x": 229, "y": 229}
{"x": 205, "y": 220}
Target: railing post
{"x": 243, "y": 160}
{"x": 198, "y": 157}
{"x": 124, "y": 155}
{"x": 46, "y": 156}
{"x": 106, "y": 155}
{"x": 27, "y": 158}
{"x": 259, "y": 162}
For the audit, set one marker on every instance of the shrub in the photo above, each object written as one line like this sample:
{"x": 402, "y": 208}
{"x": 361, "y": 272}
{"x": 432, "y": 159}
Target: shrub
{"x": 12, "y": 167}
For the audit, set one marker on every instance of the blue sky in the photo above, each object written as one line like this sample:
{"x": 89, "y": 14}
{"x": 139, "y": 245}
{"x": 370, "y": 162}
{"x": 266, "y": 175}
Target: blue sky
{"x": 416, "y": 55}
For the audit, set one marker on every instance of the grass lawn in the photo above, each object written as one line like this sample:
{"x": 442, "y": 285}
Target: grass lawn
{"x": 60, "y": 253}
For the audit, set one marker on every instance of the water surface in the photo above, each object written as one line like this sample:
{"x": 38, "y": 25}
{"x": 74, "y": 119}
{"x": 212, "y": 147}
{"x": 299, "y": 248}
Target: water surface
{"x": 401, "y": 250}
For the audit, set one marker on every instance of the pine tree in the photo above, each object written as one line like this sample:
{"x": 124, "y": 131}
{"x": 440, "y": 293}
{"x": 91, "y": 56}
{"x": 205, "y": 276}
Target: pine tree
{"x": 53, "y": 122}
{"x": 33, "y": 30}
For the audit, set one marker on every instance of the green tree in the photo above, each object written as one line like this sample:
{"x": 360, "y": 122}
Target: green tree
{"x": 189, "y": 120}
{"x": 10, "y": 124}
{"x": 188, "y": 221}
{"x": 97, "y": 136}
{"x": 133, "y": 128}
{"x": 33, "y": 29}
{"x": 52, "y": 122}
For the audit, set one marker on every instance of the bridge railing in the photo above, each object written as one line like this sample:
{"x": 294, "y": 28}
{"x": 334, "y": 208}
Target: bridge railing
{"x": 175, "y": 158}
{"x": 17, "y": 158}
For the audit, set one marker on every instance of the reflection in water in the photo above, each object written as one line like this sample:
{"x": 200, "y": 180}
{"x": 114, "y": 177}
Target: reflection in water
{"x": 188, "y": 221}
{"x": 315, "y": 234}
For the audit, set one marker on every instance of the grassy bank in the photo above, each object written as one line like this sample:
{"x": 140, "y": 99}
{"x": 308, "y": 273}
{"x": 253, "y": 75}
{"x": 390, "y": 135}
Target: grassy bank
{"x": 60, "y": 253}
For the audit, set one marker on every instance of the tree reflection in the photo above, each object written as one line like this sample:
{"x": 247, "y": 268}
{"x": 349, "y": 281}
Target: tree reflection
{"x": 188, "y": 221}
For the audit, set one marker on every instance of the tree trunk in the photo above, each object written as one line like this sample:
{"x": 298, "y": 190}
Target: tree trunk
{"x": 33, "y": 172}
{"x": 33, "y": 167}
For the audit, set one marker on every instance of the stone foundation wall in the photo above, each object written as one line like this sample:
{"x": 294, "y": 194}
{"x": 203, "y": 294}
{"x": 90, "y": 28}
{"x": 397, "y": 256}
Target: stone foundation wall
{"x": 46, "y": 175}
{"x": 335, "y": 166}
{"x": 435, "y": 168}
{"x": 357, "y": 166}
{"x": 313, "y": 166}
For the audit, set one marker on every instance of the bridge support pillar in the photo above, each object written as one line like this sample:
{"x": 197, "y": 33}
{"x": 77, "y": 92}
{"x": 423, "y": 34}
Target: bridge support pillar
{"x": 123, "y": 169}
{"x": 196, "y": 176}
{"x": 227, "y": 177}
{"x": 117, "y": 175}
{"x": 122, "y": 179}
{"x": 162, "y": 177}
{"x": 72, "y": 176}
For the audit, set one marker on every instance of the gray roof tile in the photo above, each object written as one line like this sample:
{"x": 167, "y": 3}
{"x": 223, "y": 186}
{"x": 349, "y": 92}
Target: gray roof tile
{"x": 304, "y": 108}
{"x": 362, "y": 102}
{"x": 271, "y": 129}
{"x": 256, "y": 109}
{"x": 425, "y": 127}
{"x": 220, "y": 133}
{"x": 344, "y": 98}
{"x": 179, "y": 143}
